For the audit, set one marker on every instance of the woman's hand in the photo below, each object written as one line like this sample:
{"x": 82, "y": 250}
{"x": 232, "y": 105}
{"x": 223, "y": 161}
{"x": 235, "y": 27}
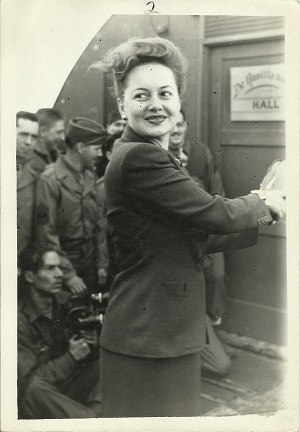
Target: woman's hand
{"x": 276, "y": 203}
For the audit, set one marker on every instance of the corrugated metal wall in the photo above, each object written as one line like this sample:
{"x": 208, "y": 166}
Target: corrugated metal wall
{"x": 217, "y": 26}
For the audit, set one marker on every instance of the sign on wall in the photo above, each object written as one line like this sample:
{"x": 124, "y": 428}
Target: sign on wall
{"x": 257, "y": 93}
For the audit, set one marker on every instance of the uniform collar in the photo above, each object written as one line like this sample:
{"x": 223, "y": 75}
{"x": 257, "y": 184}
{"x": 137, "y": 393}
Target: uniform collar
{"x": 68, "y": 176}
{"x": 42, "y": 152}
{"x": 32, "y": 309}
{"x": 37, "y": 161}
{"x": 25, "y": 177}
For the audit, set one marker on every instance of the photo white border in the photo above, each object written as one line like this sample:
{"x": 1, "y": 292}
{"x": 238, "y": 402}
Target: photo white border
{"x": 44, "y": 26}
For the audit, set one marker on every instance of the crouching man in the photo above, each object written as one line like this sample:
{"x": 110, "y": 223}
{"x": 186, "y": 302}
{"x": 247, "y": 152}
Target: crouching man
{"x": 58, "y": 374}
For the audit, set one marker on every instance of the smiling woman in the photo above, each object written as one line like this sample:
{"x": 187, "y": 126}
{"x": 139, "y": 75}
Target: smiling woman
{"x": 148, "y": 84}
{"x": 151, "y": 101}
{"x": 154, "y": 328}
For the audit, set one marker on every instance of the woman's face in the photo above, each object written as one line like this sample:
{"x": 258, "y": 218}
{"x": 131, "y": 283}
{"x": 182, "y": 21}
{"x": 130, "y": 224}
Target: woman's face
{"x": 151, "y": 101}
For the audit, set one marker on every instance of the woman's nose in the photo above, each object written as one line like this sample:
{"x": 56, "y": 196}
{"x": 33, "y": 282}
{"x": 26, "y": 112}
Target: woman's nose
{"x": 155, "y": 104}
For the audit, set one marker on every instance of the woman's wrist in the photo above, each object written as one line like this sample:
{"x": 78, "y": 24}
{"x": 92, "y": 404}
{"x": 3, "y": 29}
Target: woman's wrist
{"x": 262, "y": 193}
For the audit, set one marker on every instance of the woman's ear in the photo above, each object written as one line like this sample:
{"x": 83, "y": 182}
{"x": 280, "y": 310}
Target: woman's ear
{"x": 121, "y": 108}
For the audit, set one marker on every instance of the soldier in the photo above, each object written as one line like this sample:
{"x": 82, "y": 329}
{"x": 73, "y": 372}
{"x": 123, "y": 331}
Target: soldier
{"x": 45, "y": 149}
{"x": 51, "y": 136}
{"x": 116, "y": 125}
{"x": 26, "y": 137}
{"x": 58, "y": 373}
{"x": 67, "y": 215}
{"x": 27, "y": 134}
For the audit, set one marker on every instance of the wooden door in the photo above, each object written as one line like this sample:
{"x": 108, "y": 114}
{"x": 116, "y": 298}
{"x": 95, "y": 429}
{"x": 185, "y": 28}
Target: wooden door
{"x": 243, "y": 150}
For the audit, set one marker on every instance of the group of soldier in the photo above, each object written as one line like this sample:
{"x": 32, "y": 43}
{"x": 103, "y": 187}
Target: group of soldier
{"x": 65, "y": 249}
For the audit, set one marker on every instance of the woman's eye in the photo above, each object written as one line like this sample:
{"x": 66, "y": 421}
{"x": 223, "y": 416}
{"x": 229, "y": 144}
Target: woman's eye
{"x": 166, "y": 94}
{"x": 142, "y": 96}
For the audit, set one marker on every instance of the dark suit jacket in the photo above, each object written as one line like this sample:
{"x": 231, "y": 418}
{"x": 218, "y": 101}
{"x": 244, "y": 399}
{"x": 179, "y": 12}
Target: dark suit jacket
{"x": 161, "y": 222}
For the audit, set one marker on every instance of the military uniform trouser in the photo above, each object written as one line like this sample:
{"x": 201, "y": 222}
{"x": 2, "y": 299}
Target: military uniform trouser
{"x": 213, "y": 356}
{"x": 215, "y": 285}
{"x": 77, "y": 397}
{"x": 83, "y": 258}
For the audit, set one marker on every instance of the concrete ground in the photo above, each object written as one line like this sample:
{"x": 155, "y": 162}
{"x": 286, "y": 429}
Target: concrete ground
{"x": 253, "y": 385}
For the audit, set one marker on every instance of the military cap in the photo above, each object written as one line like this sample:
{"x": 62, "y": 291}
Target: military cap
{"x": 88, "y": 131}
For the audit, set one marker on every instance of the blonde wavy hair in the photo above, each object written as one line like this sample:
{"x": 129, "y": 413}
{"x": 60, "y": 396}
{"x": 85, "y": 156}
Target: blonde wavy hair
{"x": 136, "y": 51}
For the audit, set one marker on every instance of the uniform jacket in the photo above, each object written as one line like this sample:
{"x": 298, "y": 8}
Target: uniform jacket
{"x": 161, "y": 222}
{"x": 67, "y": 215}
{"x": 42, "y": 344}
{"x": 25, "y": 201}
{"x": 26, "y": 182}
{"x": 101, "y": 200}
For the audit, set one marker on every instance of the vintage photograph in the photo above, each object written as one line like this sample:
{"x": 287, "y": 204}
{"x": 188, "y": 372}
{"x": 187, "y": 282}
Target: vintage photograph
{"x": 151, "y": 260}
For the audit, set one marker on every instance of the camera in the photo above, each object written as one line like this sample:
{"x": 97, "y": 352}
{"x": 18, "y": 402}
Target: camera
{"x": 84, "y": 313}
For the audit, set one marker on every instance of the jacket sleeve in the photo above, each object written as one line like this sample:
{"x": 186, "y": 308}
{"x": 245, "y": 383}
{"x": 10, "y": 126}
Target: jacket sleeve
{"x": 158, "y": 188}
{"x": 225, "y": 243}
{"x": 47, "y": 198}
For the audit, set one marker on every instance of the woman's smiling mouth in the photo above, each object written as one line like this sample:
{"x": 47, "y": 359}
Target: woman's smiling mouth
{"x": 155, "y": 119}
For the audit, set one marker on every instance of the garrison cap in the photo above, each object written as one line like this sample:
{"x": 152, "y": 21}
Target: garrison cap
{"x": 88, "y": 131}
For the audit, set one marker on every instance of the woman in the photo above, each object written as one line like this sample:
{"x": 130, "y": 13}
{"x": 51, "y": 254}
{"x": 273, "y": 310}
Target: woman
{"x": 154, "y": 328}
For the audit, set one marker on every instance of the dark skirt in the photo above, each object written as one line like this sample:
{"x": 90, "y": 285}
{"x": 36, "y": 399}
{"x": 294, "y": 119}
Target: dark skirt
{"x": 150, "y": 387}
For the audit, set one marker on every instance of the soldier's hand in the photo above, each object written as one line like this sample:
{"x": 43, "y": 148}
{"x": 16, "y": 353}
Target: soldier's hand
{"x": 76, "y": 285}
{"x": 102, "y": 276}
{"x": 78, "y": 348}
{"x": 90, "y": 336}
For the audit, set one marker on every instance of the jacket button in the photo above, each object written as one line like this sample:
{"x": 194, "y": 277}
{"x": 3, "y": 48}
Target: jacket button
{"x": 266, "y": 218}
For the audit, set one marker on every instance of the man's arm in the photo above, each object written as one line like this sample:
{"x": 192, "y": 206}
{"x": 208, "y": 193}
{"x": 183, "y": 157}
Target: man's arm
{"x": 36, "y": 360}
{"x": 25, "y": 200}
{"x": 101, "y": 245}
{"x": 33, "y": 359}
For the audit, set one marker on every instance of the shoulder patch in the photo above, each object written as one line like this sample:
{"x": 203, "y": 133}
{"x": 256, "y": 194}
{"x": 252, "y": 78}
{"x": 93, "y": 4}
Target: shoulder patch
{"x": 42, "y": 215}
